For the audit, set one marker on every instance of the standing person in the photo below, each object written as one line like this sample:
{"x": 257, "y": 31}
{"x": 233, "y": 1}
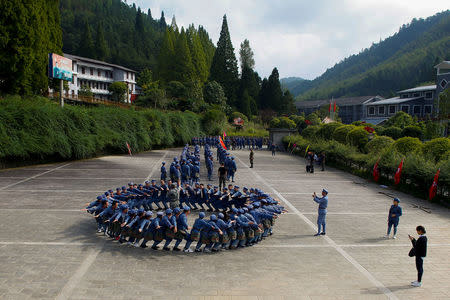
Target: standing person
{"x": 273, "y": 147}
{"x": 394, "y": 216}
{"x": 322, "y": 160}
{"x": 173, "y": 196}
{"x": 420, "y": 252}
{"x": 163, "y": 171}
{"x": 222, "y": 173}
{"x": 321, "y": 218}
{"x": 252, "y": 156}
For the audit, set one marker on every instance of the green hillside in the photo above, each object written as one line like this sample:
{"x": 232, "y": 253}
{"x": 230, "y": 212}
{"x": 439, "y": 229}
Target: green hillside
{"x": 398, "y": 62}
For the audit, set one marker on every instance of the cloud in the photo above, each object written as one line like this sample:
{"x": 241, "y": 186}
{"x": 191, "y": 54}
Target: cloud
{"x": 299, "y": 37}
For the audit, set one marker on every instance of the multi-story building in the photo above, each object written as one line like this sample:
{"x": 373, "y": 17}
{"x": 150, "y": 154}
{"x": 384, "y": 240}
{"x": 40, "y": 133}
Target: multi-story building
{"x": 417, "y": 102}
{"x": 98, "y": 76}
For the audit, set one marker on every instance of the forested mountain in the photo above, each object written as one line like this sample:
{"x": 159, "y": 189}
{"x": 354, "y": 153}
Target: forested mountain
{"x": 290, "y": 83}
{"x": 116, "y": 32}
{"x": 401, "y": 61}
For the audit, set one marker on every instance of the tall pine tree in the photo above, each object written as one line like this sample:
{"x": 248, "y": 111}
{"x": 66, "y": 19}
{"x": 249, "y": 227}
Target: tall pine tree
{"x": 86, "y": 47}
{"x": 183, "y": 68}
{"x": 100, "y": 42}
{"x": 166, "y": 57}
{"x": 197, "y": 54}
{"x": 224, "y": 68}
{"x": 246, "y": 56}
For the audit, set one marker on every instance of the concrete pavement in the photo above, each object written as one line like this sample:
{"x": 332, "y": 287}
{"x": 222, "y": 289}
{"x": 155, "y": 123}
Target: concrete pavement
{"x": 49, "y": 248}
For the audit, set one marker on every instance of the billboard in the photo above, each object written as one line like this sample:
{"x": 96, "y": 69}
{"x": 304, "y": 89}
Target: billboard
{"x": 59, "y": 67}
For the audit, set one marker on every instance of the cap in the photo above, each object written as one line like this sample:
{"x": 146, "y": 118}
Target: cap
{"x": 325, "y": 191}
{"x": 168, "y": 211}
{"x": 160, "y": 213}
{"x": 140, "y": 211}
{"x": 221, "y": 216}
{"x": 396, "y": 199}
{"x": 148, "y": 214}
{"x": 213, "y": 217}
{"x": 201, "y": 215}
{"x": 176, "y": 210}
{"x": 99, "y": 197}
{"x": 186, "y": 208}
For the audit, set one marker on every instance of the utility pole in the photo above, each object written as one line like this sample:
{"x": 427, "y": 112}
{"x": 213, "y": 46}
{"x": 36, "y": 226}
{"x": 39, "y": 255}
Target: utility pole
{"x": 61, "y": 89}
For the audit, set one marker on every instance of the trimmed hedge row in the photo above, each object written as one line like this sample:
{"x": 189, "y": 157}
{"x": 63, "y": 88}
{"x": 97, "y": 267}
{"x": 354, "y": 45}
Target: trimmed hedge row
{"x": 36, "y": 129}
{"x": 421, "y": 161}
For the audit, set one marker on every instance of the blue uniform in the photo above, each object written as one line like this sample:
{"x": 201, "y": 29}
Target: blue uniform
{"x": 394, "y": 217}
{"x": 321, "y": 218}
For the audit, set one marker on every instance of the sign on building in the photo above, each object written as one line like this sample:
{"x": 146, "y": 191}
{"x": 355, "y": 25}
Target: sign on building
{"x": 60, "y": 67}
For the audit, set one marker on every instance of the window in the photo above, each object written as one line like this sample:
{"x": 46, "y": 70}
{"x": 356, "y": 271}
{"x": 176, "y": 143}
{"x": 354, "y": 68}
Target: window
{"x": 427, "y": 109}
{"x": 99, "y": 73}
{"x": 405, "y": 108}
{"x": 416, "y": 109}
{"x": 392, "y": 109}
{"x": 416, "y": 95}
{"x": 404, "y": 96}
{"x": 381, "y": 110}
{"x": 428, "y": 95}
{"x": 82, "y": 70}
{"x": 92, "y": 71}
{"x": 371, "y": 110}
{"x": 443, "y": 83}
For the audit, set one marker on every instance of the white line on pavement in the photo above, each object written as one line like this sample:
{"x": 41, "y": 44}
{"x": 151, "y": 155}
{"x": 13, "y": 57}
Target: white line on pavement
{"x": 48, "y": 243}
{"x": 339, "y": 249}
{"x": 155, "y": 166}
{"x": 78, "y": 178}
{"x": 43, "y": 209}
{"x": 32, "y": 177}
{"x": 74, "y": 281}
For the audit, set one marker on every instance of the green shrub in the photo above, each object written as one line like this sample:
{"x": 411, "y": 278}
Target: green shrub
{"x": 285, "y": 122}
{"x": 436, "y": 148}
{"x": 400, "y": 119}
{"x": 378, "y": 144}
{"x": 310, "y": 131}
{"x": 236, "y": 115}
{"x": 340, "y": 133}
{"x": 326, "y": 130}
{"x": 214, "y": 121}
{"x": 358, "y": 137}
{"x": 393, "y": 132}
{"x": 274, "y": 123}
{"x": 412, "y": 131}
{"x": 406, "y": 145}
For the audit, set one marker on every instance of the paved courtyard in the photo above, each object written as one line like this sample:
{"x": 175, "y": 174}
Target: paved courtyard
{"x": 49, "y": 248}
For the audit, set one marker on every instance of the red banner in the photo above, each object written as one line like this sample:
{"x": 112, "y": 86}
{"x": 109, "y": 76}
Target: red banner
{"x": 398, "y": 173}
{"x": 376, "y": 172}
{"x": 129, "y": 148}
{"x": 334, "y": 106}
{"x": 433, "y": 187}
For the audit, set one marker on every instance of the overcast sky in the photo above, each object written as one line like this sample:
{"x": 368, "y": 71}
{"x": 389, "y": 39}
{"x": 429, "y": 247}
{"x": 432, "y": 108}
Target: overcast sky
{"x": 300, "y": 37}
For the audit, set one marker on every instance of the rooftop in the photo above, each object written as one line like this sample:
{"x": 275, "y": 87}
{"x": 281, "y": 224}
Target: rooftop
{"x": 339, "y": 101}
{"x": 445, "y": 64}
{"x": 395, "y": 100}
{"x": 420, "y": 89}
{"x": 99, "y": 62}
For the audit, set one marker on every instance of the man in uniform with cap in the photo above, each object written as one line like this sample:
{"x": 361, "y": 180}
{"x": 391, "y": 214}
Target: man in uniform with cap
{"x": 321, "y": 218}
{"x": 163, "y": 171}
{"x": 394, "y": 216}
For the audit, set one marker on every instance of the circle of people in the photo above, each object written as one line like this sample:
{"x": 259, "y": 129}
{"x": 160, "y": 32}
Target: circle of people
{"x": 243, "y": 217}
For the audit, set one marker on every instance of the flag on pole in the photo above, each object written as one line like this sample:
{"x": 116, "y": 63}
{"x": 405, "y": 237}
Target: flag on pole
{"x": 129, "y": 148}
{"x": 433, "y": 187}
{"x": 376, "y": 171}
{"x": 329, "y": 108}
{"x": 224, "y": 135}
{"x": 398, "y": 173}
{"x": 334, "y": 106}
{"x": 222, "y": 143}
{"x": 306, "y": 151}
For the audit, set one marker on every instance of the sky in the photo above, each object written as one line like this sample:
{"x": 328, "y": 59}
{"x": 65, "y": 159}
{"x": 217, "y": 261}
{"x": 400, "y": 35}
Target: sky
{"x": 301, "y": 38}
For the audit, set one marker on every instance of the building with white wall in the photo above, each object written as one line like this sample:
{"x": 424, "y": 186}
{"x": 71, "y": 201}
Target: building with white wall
{"x": 98, "y": 76}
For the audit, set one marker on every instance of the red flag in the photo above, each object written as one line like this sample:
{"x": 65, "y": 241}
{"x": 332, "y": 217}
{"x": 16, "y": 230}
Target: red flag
{"x": 398, "y": 173}
{"x": 222, "y": 143}
{"x": 329, "y": 108}
{"x": 433, "y": 187}
{"x": 308, "y": 122}
{"x": 224, "y": 134}
{"x": 129, "y": 148}
{"x": 334, "y": 106}
{"x": 376, "y": 171}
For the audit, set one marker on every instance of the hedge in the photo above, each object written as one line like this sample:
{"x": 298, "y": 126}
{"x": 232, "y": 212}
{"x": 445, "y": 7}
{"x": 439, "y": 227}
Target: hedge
{"x": 36, "y": 130}
{"x": 418, "y": 170}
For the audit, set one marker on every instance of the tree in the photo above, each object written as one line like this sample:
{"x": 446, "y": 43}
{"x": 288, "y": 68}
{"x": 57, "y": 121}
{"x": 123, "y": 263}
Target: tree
{"x": 145, "y": 78}
{"x": 29, "y": 30}
{"x": 118, "y": 90}
{"x": 86, "y": 47}
{"x": 245, "y": 104}
{"x": 85, "y": 91}
{"x": 102, "y": 47}
{"x": 162, "y": 21}
{"x": 174, "y": 25}
{"x": 400, "y": 119}
{"x": 166, "y": 56}
{"x": 149, "y": 13}
{"x": 224, "y": 67}
{"x": 197, "y": 54}
{"x": 183, "y": 69}
{"x": 213, "y": 93}
{"x": 246, "y": 55}
{"x": 274, "y": 95}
